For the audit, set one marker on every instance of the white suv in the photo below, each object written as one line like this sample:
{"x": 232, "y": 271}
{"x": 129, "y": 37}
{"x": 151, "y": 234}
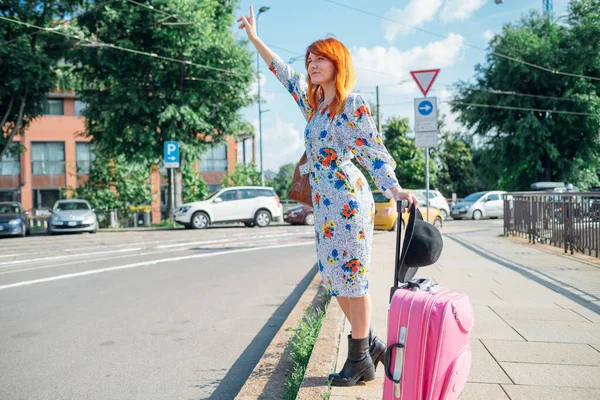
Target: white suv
{"x": 252, "y": 205}
{"x": 437, "y": 200}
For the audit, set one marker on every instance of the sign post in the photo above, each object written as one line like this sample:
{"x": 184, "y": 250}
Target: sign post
{"x": 426, "y": 120}
{"x": 171, "y": 160}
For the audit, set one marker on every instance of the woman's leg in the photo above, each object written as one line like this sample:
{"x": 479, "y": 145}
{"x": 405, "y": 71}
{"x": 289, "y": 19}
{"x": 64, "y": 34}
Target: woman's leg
{"x": 345, "y": 306}
{"x": 360, "y": 316}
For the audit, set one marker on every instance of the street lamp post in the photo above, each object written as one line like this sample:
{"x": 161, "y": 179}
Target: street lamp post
{"x": 260, "y": 112}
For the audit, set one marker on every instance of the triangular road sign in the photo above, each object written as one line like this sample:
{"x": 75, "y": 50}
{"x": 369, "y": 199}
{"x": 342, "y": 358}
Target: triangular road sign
{"x": 425, "y": 79}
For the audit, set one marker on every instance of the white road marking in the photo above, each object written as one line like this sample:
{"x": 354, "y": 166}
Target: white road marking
{"x": 67, "y": 256}
{"x": 148, "y": 263}
{"x": 167, "y": 246}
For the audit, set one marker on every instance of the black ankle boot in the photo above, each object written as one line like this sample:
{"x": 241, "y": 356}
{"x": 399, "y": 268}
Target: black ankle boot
{"x": 358, "y": 366}
{"x": 376, "y": 348}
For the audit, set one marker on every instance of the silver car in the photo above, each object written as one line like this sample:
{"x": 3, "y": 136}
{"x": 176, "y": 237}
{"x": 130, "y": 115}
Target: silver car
{"x": 72, "y": 216}
{"x": 480, "y": 205}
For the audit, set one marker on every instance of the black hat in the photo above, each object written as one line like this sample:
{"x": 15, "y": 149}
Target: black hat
{"x": 422, "y": 245}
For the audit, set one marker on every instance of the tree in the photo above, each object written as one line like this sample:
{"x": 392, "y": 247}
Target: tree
{"x": 30, "y": 59}
{"x": 136, "y": 102}
{"x": 115, "y": 183}
{"x": 244, "y": 175}
{"x": 283, "y": 180}
{"x": 194, "y": 187}
{"x": 457, "y": 173}
{"x": 410, "y": 160}
{"x": 525, "y": 146}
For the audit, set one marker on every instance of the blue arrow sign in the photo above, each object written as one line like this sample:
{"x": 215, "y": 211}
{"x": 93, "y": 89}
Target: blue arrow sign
{"x": 171, "y": 153}
{"x": 425, "y": 107}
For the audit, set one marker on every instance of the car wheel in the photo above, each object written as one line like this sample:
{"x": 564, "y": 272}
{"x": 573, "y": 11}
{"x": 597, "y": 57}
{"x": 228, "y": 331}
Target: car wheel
{"x": 395, "y": 226}
{"x": 249, "y": 224}
{"x": 438, "y": 222}
{"x": 49, "y": 232}
{"x": 309, "y": 219}
{"x": 187, "y": 226}
{"x": 444, "y": 214}
{"x": 477, "y": 215}
{"x": 200, "y": 220}
{"x": 262, "y": 218}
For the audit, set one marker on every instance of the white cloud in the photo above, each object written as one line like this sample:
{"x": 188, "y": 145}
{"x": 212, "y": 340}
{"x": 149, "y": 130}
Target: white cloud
{"x": 459, "y": 10}
{"x": 418, "y": 12}
{"x": 415, "y": 13}
{"x": 488, "y": 35}
{"x": 265, "y": 96}
{"x": 391, "y": 61}
{"x": 282, "y": 144}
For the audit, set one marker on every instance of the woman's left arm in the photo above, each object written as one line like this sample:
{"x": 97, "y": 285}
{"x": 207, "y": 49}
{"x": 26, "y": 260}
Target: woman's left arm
{"x": 366, "y": 143}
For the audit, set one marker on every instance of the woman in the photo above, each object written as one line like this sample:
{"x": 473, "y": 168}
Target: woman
{"x": 340, "y": 127}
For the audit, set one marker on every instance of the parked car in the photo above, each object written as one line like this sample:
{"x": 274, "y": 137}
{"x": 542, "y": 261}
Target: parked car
{"x": 386, "y": 214}
{"x": 437, "y": 200}
{"x": 252, "y": 205}
{"x": 72, "y": 216}
{"x": 480, "y": 205}
{"x": 299, "y": 215}
{"x": 14, "y": 220}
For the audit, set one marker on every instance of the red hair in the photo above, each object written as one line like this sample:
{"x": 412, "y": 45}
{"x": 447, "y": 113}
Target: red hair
{"x": 344, "y": 76}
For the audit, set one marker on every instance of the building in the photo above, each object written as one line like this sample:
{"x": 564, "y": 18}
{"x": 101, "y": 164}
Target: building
{"x": 58, "y": 156}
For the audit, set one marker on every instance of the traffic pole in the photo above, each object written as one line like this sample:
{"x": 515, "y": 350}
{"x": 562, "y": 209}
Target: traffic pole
{"x": 427, "y": 180}
{"x": 171, "y": 170}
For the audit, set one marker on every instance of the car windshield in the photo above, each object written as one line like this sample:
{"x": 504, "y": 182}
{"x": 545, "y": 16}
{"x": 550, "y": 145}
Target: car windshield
{"x": 72, "y": 206}
{"x": 472, "y": 198}
{"x": 210, "y": 195}
{"x": 9, "y": 208}
{"x": 380, "y": 198}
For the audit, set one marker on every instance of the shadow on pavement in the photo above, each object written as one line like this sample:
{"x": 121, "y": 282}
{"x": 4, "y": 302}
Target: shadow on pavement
{"x": 241, "y": 369}
{"x": 559, "y": 287}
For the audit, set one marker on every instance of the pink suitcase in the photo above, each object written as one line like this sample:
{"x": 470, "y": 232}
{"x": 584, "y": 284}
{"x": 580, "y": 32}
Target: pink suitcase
{"x": 428, "y": 355}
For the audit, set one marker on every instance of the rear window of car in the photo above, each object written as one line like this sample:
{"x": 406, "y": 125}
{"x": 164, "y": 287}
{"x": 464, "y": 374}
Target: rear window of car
{"x": 493, "y": 197}
{"x": 9, "y": 209}
{"x": 266, "y": 192}
{"x": 380, "y": 198}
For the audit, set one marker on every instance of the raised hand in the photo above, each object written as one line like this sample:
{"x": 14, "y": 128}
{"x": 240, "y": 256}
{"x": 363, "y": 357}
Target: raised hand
{"x": 249, "y": 23}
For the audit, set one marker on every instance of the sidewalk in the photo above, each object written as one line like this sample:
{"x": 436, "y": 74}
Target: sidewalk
{"x": 537, "y": 316}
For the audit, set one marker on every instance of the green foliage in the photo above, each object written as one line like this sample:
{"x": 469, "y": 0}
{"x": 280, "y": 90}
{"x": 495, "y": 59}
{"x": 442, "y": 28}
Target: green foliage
{"x": 137, "y": 102}
{"x": 30, "y": 59}
{"x": 521, "y": 147}
{"x": 283, "y": 180}
{"x": 244, "y": 175}
{"x": 457, "y": 172}
{"x": 194, "y": 187}
{"x": 410, "y": 160}
{"x": 115, "y": 184}
{"x": 302, "y": 344}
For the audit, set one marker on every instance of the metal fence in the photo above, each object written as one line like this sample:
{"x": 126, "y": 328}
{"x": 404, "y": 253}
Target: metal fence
{"x": 567, "y": 220}
{"x": 114, "y": 219}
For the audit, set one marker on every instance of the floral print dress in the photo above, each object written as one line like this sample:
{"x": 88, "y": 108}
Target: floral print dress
{"x": 342, "y": 200}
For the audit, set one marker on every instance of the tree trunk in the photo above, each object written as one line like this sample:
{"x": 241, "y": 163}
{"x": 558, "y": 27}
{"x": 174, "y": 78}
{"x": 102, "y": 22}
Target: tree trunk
{"x": 178, "y": 187}
{"x": 5, "y": 118}
{"x": 16, "y": 127}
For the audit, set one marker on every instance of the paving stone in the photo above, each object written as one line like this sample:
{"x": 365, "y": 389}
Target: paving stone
{"x": 596, "y": 346}
{"x": 554, "y": 313}
{"x": 488, "y": 325}
{"x": 559, "y": 332}
{"x": 521, "y": 392}
{"x": 542, "y": 353}
{"x": 484, "y": 369}
{"x": 478, "y": 391}
{"x": 553, "y": 375}
{"x": 579, "y": 309}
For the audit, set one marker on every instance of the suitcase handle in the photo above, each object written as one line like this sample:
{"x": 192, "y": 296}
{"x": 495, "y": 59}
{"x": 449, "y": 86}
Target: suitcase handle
{"x": 387, "y": 361}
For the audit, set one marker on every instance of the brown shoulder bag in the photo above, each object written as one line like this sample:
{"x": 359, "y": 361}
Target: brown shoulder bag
{"x": 300, "y": 188}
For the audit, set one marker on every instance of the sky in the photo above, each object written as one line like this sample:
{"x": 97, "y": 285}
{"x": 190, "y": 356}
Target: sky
{"x": 383, "y": 52}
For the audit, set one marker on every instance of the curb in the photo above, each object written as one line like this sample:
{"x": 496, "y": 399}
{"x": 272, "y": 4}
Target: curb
{"x": 267, "y": 380}
{"x": 323, "y": 358}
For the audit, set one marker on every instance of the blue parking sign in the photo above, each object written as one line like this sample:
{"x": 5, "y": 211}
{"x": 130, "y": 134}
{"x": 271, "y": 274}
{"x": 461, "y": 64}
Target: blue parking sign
{"x": 171, "y": 154}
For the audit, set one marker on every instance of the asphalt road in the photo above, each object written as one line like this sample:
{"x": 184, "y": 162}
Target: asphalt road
{"x": 145, "y": 315}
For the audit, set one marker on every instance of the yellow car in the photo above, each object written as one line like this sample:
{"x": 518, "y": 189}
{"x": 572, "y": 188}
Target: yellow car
{"x": 386, "y": 216}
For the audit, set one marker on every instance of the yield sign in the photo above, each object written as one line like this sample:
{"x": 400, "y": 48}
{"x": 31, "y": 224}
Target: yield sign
{"x": 425, "y": 79}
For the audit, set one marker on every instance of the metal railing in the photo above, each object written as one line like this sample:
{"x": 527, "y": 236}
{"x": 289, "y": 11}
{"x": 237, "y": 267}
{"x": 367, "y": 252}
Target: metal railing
{"x": 567, "y": 220}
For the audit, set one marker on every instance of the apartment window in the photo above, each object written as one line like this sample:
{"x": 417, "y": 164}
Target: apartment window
{"x": 85, "y": 157}
{"x": 9, "y": 195}
{"x": 10, "y": 163}
{"x": 54, "y": 107}
{"x": 45, "y": 198}
{"x": 48, "y": 158}
{"x": 214, "y": 160}
{"x": 79, "y": 107}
